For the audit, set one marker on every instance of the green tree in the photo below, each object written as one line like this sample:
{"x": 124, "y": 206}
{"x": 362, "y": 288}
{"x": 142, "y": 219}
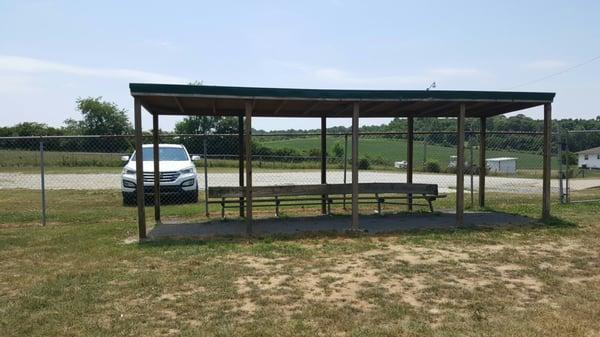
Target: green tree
{"x": 100, "y": 118}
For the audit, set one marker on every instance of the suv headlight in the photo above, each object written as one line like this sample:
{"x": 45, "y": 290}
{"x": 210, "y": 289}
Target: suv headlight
{"x": 187, "y": 171}
{"x": 128, "y": 171}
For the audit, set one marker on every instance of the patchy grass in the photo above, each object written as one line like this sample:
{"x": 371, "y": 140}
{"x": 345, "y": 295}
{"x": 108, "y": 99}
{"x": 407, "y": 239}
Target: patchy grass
{"x": 84, "y": 275}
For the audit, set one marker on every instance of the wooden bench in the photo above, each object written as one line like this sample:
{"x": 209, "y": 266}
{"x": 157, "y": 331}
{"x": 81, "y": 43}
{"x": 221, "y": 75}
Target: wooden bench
{"x": 305, "y": 195}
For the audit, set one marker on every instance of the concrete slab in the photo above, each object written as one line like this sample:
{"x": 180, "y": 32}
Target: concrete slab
{"x": 373, "y": 224}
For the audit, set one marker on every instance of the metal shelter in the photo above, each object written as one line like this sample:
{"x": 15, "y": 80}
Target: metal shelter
{"x": 248, "y": 102}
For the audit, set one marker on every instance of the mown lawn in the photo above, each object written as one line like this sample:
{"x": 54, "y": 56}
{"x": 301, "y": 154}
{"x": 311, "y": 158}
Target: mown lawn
{"x": 84, "y": 275}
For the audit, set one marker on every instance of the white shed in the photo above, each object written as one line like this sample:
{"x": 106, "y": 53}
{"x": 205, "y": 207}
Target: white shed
{"x": 589, "y": 158}
{"x": 502, "y": 165}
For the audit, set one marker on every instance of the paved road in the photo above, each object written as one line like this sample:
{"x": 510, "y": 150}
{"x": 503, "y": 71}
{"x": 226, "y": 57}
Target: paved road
{"x": 446, "y": 182}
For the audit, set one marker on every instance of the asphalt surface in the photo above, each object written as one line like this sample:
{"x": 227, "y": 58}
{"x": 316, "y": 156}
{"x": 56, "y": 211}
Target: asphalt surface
{"x": 446, "y": 182}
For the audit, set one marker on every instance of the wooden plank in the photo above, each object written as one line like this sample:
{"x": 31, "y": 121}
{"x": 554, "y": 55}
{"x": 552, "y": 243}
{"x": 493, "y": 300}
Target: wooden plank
{"x": 410, "y": 156}
{"x": 248, "y": 152}
{"x": 547, "y": 162}
{"x": 324, "y": 161}
{"x": 482, "y": 163}
{"x": 155, "y": 152}
{"x": 320, "y": 189}
{"x": 460, "y": 167}
{"x": 139, "y": 167}
{"x": 355, "y": 115}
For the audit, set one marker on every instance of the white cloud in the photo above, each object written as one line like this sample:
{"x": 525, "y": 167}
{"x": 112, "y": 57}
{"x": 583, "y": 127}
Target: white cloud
{"x": 546, "y": 65}
{"x": 33, "y": 66}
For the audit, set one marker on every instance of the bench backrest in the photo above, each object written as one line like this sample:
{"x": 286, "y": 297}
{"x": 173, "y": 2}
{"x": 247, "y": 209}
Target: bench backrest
{"x": 322, "y": 189}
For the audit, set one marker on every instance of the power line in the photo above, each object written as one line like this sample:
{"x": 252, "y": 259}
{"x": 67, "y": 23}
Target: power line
{"x": 557, "y": 73}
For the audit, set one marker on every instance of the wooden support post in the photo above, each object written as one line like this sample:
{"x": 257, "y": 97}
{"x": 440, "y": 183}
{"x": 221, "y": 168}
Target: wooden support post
{"x": 323, "y": 161}
{"x": 156, "y": 162}
{"x": 345, "y": 164}
{"x": 482, "y": 162}
{"x": 547, "y": 162}
{"x": 355, "y": 114}
{"x": 460, "y": 167}
{"x": 139, "y": 168}
{"x": 410, "y": 158}
{"x": 248, "y": 152}
{"x": 241, "y": 159}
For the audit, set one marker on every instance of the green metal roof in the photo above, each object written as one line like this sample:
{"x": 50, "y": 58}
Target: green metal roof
{"x": 285, "y": 102}
{"x": 336, "y": 94}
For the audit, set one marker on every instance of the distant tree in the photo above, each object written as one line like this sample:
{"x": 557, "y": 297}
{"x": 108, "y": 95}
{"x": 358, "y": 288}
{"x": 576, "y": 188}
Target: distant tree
{"x": 100, "y": 118}
{"x": 34, "y": 129}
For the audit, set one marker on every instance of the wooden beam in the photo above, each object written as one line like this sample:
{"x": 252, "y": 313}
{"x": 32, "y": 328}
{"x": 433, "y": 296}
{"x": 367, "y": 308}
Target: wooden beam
{"x": 139, "y": 168}
{"x": 355, "y": 115}
{"x": 310, "y": 108}
{"x": 179, "y": 105}
{"x": 248, "y": 151}
{"x": 280, "y": 106}
{"x": 324, "y": 161}
{"x": 547, "y": 162}
{"x": 410, "y": 158}
{"x": 434, "y": 110}
{"x": 341, "y": 109}
{"x": 241, "y": 160}
{"x": 156, "y": 162}
{"x": 374, "y": 106}
{"x": 482, "y": 162}
{"x": 460, "y": 167}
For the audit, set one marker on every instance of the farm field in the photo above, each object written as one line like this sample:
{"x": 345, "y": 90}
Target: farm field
{"x": 84, "y": 274}
{"x": 395, "y": 150}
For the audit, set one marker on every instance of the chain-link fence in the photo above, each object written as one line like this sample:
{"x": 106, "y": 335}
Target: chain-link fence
{"x": 68, "y": 178}
{"x": 580, "y": 166}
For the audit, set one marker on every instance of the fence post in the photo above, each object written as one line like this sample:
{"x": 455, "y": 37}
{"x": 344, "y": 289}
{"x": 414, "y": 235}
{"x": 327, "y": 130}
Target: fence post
{"x": 205, "y": 177}
{"x": 561, "y": 196}
{"x": 568, "y": 169}
{"x": 43, "y": 181}
{"x": 471, "y": 167}
{"x": 424, "y": 151}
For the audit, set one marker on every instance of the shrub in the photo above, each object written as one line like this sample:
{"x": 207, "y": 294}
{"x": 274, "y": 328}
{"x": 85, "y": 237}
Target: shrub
{"x": 432, "y": 166}
{"x": 569, "y": 157}
{"x": 364, "y": 164}
{"x": 338, "y": 150}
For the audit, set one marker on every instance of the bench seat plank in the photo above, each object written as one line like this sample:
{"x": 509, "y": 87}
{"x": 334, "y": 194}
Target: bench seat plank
{"x": 322, "y": 189}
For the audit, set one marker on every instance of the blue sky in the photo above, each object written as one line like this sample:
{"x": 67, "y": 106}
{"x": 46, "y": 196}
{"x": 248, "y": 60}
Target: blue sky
{"x": 52, "y": 52}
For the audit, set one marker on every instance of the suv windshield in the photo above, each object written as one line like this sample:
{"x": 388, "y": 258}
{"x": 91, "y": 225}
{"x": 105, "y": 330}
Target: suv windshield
{"x": 165, "y": 153}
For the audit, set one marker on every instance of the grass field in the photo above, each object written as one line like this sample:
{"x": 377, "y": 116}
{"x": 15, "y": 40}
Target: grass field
{"x": 382, "y": 151}
{"x": 395, "y": 150}
{"x": 83, "y": 275}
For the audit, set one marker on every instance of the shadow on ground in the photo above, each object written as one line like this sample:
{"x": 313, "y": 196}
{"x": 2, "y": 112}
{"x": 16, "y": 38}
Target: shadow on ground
{"x": 369, "y": 224}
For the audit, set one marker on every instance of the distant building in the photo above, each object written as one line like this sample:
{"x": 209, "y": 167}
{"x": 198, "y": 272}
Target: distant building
{"x": 589, "y": 158}
{"x": 502, "y": 165}
{"x": 507, "y": 165}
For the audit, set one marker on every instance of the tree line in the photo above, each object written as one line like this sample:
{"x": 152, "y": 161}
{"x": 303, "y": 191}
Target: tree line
{"x": 101, "y": 117}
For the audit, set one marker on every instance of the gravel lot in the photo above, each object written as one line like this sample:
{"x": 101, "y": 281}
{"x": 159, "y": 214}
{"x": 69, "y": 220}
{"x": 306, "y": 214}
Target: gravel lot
{"x": 446, "y": 182}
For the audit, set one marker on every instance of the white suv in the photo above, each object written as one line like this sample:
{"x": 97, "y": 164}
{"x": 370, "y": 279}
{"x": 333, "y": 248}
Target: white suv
{"x": 178, "y": 178}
